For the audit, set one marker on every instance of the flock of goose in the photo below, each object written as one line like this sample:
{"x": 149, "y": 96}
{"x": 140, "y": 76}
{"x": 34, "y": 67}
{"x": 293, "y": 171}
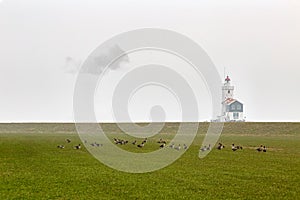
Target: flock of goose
{"x": 262, "y": 148}
{"x": 162, "y": 143}
{"x": 61, "y": 146}
{"x": 233, "y": 148}
{"x": 94, "y": 144}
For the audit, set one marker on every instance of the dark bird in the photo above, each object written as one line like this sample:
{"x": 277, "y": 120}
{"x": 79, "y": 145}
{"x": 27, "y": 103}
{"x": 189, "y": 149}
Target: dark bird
{"x": 141, "y": 145}
{"x": 259, "y": 149}
{"x": 116, "y": 141}
{"x": 145, "y": 140}
{"x": 220, "y": 146}
{"x": 265, "y": 149}
{"x": 77, "y": 147}
{"x": 61, "y": 146}
{"x": 134, "y": 142}
{"x": 172, "y": 145}
{"x": 162, "y": 145}
{"x": 68, "y": 140}
{"x": 98, "y": 145}
{"x": 206, "y": 148}
{"x": 161, "y": 141}
{"x": 178, "y": 147}
{"x": 185, "y": 146}
{"x": 233, "y": 148}
{"x": 203, "y": 148}
{"x": 239, "y": 147}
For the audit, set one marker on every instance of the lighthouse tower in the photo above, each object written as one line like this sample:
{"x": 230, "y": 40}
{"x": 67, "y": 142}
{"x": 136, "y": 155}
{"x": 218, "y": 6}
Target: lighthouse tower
{"x": 227, "y": 89}
{"x": 232, "y": 109}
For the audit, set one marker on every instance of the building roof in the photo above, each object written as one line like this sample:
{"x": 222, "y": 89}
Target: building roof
{"x": 230, "y": 101}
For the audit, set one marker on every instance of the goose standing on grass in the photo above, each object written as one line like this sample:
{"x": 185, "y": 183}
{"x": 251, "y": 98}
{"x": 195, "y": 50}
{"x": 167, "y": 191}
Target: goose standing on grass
{"x": 239, "y": 147}
{"x": 141, "y": 145}
{"x": 264, "y": 149}
{"x": 203, "y": 148}
{"x": 206, "y": 148}
{"x": 162, "y": 145}
{"x": 259, "y": 149}
{"x": 209, "y": 147}
{"x": 178, "y": 147}
{"x": 220, "y": 146}
{"x": 98, "y": 145}
{"x": 172, "y": 146}
{"x": 185, "y": 146}
{"x": 61, "y": 146}
{"x": 68, "y": 140}
{"x": 116, "y": 141}
{"x": 145, "y": 140}
{"x": 77, "y": 147}
{"x": 134, "y": 142}
{"x": 233, "y": 148}
{"x": 161, "y": 141}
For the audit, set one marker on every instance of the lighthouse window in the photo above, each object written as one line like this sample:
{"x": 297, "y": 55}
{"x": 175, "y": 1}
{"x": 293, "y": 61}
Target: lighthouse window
{"x": 232, "y": 107}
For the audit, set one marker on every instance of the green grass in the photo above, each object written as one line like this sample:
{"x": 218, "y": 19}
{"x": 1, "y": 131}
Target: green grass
{"x": 31, "y": 167}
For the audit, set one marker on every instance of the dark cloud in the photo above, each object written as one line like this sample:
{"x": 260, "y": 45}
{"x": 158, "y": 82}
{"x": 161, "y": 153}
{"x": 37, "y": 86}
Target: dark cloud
{"x": 113, "y": 58}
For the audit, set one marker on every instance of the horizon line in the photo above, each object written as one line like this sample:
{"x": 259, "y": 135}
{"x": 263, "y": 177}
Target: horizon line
{"x": 124, "y": 122}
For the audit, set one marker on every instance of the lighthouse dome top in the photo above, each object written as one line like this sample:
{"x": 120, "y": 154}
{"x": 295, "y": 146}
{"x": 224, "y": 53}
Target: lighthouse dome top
{"x": 227, "y": 79}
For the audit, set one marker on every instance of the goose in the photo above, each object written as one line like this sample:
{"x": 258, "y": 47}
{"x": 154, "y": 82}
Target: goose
{"x": 163, "y": 145}
{"x": 172, "y": 145}
{"x": 178, "y": 147}
{"x": 259, "y": 149}
{"x": 239, "y": 147}
{"x": 77, "y": 147}
{"x": 141, "y": 145}
{"x": 209, "y": 147}
{"x": 134, "y": 142}
{"x": 116, "y": 140}
{"x": 145, "y": 140}
{"x": 265, "y": 149}
{"x": 98, "y": 145}
{"x": 206, "y": 148}
{"x": 61, "y": 146}
{"x": 233, "y": 148}
{"x": 220, "y": 146}
{"x": 203, "y": 148}
{"x": 161, "y": 141}
{"x": 68, "y": 140}
{"x": 185, "y": 146}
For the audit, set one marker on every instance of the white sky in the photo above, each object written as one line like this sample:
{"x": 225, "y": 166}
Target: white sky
{"x": 258, "y": 42}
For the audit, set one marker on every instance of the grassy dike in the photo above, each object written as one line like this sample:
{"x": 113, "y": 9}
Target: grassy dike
{"x": 32, "y": 167}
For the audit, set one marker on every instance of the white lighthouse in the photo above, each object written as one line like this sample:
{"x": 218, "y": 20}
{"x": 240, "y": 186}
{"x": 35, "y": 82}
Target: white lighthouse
{"x": 232, "y": 109}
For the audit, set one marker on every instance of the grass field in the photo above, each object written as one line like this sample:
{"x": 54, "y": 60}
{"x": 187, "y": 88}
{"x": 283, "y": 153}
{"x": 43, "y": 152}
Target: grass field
{"x": 32, "y": 167}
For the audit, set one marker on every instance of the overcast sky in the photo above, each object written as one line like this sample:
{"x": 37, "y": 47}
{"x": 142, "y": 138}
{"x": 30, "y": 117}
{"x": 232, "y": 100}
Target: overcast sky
{"x": 258, "y": 41}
